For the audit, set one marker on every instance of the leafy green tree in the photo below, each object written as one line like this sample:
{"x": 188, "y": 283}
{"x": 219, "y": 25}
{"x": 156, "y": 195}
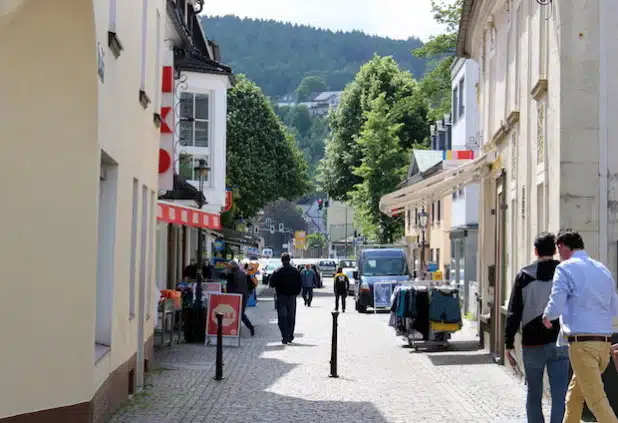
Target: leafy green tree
{"x": 263, "y": 160}
{"x": 310, "y": 84}
{"x": 403, "y": 102}
{"x": 383, "y": 166}
{"x": 440, "y": 49}
{"x": 315, "y": 240}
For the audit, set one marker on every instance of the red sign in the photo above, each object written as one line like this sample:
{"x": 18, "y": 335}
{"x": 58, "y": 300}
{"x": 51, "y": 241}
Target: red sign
{"x": 230, "y": 305}
{"x": 228, "y": 200}
{"x": 166, "y": 120}
{"x": 165, "y": 161}
{"x": 167, "y": 79}
{"x": 182, "y": 215}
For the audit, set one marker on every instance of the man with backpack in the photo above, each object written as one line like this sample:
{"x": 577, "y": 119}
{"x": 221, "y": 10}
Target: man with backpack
{"x": 341, "y": 287}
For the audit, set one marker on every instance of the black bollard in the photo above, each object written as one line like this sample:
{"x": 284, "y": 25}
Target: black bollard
{"x": 219, "y": 363}
{"x": 333, "y": 347}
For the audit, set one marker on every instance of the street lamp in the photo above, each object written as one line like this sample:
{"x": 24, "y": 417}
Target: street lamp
{"x": 422, "y": 220}
{"x": 201, "y": 170}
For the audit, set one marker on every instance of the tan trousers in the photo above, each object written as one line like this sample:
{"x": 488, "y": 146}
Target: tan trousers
{"x": 588, "y": 360}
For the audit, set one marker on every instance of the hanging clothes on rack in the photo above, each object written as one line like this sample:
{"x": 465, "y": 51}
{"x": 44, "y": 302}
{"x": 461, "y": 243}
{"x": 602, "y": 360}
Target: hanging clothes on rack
{"x": 421, "y": 321}
{"x": 444, "y": 306}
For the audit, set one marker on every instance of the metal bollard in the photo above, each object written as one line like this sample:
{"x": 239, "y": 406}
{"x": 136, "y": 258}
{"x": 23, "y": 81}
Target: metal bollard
{"x": 333, "y": 347}
{"x": 219, "y": 363}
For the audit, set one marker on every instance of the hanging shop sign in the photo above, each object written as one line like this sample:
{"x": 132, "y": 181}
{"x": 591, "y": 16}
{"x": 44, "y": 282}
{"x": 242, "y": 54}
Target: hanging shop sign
{"x": 300, "y": 238}
{"x": 167, "y": 212}
{"x": 229, "y": 200}
{"x": 230, "y": 305}
{"x": 219, "y": 245}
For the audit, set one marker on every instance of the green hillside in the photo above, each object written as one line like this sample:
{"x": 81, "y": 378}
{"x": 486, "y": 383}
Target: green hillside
{"x": 278, "y": 55}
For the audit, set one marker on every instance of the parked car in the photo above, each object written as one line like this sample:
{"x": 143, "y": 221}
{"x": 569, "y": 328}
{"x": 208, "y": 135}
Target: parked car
{"x": 347, "y": 264}
{"x": 378, "y": 265}
{"x": 267, "y": 271}
{"x": 327, "y": 267}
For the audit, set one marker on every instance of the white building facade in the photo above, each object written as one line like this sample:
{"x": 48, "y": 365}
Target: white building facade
{"x": 465, "y": 199}
{"x": 546, "y": 99}
{"x": 79, "y": 176}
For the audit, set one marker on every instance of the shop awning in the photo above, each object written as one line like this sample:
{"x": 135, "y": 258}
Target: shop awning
{"x": 435, "y": 187}
{"x": 184, "y": 215}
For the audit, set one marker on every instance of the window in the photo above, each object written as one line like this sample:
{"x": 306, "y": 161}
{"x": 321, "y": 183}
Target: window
{"x": 194, "y": 119}
{"x": 431, "y": 256}
{"x": 433, "y": 212}
{"x": 461, "y": 192}
{"x": 460, "y": 99}
{"x": 438, "y": 257}
{"x": 187, "y": 163}
{"x": 409, "y": 221}
{"x": 455, "y": 103}
{"x": 439, "y": 210}
{"x": 416, "y": 217}
{"x": 133, "y": 250}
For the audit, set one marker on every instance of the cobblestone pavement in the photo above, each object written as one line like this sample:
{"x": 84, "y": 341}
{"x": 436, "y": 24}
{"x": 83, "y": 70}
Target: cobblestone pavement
{"x": 381, "y": 379}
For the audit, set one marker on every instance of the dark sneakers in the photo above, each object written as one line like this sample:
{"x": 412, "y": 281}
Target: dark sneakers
{"x": 252, "y": 330}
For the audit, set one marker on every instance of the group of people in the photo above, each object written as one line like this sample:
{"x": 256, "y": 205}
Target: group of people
{"x": 566, "y": 311}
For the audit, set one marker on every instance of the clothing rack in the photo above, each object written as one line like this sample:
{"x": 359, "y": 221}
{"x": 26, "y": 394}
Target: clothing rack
{"x": 426, "y": 308}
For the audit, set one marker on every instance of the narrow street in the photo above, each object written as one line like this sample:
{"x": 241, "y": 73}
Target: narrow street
{"x": 381, "y": 380}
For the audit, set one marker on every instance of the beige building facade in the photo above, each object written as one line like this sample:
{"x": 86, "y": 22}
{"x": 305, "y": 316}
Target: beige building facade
{"x": 545, "y": 100}
{"x": 80, "y": 139}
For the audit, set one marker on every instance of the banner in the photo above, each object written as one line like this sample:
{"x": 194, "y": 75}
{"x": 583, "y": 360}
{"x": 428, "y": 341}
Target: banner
{"x": 299, "y": 240}
{"x": 182, "y": 215}
{"x": 230, "y": 305}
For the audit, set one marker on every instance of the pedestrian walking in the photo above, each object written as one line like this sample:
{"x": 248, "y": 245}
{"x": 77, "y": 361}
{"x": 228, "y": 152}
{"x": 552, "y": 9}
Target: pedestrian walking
{"x": 584, "y": 295}
{"x": 309, "y": 280}
{"x": 529, "y": 297}
{"x": 341, "y": 285}
{"x": 287, "y": 283}
{"x": 238, "y": 283}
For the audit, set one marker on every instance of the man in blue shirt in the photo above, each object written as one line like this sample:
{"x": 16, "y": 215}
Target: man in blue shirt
{"x": 584, "y": 295}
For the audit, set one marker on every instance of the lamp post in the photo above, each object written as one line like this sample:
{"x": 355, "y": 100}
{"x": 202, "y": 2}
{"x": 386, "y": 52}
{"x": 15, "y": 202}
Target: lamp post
{"x": 422, "y": 220}
{"x": 201, "y": 170}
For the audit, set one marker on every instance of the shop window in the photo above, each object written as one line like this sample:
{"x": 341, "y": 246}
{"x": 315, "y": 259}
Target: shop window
{"x": 194, "y": 114}
{"x": 188, "y": 163}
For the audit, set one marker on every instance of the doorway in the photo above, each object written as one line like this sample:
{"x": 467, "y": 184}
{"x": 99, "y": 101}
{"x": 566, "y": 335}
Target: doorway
{"x": 500, "y": 260}
{"x": 141, "y": 308}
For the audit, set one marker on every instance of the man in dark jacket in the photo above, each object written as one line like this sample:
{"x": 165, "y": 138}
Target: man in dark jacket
{"x": 341, "y": 286}
{"x": 237, "y": 284}
{"x": 528, "y": 300}
{"x": 287, "y": 283}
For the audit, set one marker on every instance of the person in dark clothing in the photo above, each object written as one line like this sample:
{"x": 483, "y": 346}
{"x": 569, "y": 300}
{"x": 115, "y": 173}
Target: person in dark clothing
{"x": 341, "y": 286}
{"x": 529, "y": 297}
{"x": 237, "y": 284}
{"x": 318, "y": 283}
{"x": 287, "y": 283}
{"x": 190, "y": 271}
{"x": 207, "y": 270}
{"x": 309, "y": 281}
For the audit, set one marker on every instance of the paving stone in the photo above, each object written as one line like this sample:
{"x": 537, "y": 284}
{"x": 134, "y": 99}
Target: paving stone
{"x": 381, "y": 380}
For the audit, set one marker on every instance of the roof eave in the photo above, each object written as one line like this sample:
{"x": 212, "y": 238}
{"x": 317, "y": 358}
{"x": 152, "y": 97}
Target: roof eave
{"x": 462, "y": 35}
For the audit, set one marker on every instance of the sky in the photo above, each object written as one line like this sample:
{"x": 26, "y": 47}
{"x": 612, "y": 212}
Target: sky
{"x": 397, "y": 19}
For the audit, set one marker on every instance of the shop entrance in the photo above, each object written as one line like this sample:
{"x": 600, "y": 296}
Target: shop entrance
{"x": 500, "y": 269}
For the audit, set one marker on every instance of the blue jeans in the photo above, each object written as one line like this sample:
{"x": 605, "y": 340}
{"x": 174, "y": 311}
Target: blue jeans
{"x": 536, "y": 359}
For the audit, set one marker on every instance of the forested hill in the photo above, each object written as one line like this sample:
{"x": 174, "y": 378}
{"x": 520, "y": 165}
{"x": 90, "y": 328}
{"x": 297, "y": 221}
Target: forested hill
{"x": 277, "y": 55}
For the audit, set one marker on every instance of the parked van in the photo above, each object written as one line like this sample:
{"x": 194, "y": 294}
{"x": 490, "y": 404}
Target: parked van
{"x": 378, "y": 265}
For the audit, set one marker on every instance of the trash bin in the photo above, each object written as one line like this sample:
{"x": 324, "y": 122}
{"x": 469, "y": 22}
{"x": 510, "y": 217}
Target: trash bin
{"x": 610, "y": 380}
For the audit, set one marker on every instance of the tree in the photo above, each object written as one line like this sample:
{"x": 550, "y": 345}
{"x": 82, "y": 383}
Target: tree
{"x": 404, "y": 103}
{"x": 315, "y": 240}
{"x": 263, "y": 161}
{"x": 308, "y": 85}
{"x": 440, "y": 49}
{"x": 383, "y": 166}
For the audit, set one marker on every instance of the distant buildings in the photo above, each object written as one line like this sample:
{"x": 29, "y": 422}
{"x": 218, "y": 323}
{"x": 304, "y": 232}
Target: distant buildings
{"x": 319, "y": 103}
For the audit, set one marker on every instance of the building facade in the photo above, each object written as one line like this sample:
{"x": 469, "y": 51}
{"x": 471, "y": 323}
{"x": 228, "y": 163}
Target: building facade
{"x": 463, "y": 231}
{"x": 81, "y": 138}
{"x": 545, "y": 98}
{"x": 194, "y": 85}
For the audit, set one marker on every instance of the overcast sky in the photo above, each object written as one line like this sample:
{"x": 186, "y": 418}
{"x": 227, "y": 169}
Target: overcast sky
{"x": 398, "y": 19}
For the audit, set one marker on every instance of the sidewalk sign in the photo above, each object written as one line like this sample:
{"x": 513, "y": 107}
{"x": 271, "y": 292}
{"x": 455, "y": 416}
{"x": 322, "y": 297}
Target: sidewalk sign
{"x": 382, "y": 292}
{"x": 231, "y": 307}
{"x": 212, "y": 287}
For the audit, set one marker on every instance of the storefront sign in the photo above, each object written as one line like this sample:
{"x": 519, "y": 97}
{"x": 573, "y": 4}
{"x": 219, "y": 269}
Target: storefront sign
{"x": 300, "y": 238}
{"x": 382, "y": 292}
{"x": 230, "y": 305}
{"x": 212, "y": 287}
{"x": 219, "y": 245}
{"x": 181, "y": 215}
{"x": 229, "y": 199}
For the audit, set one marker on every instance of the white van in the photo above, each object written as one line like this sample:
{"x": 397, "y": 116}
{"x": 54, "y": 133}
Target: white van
{"x": 267, "y": 252}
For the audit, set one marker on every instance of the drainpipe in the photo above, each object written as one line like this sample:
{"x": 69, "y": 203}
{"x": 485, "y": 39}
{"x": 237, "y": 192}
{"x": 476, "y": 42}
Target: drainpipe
{"x": 603, "y": 148}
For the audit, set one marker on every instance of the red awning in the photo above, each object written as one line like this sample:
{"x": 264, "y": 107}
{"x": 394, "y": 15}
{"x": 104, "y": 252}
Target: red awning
{"x": 183, "y": 215}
